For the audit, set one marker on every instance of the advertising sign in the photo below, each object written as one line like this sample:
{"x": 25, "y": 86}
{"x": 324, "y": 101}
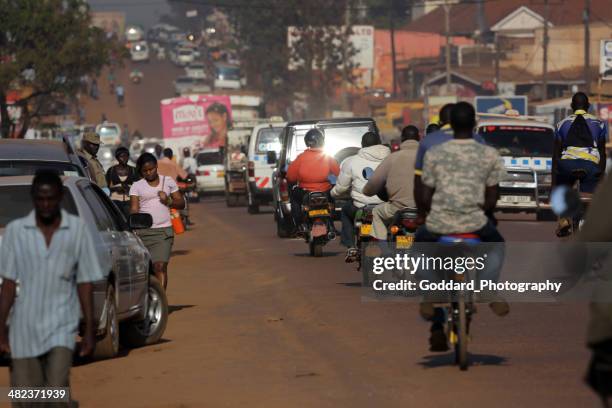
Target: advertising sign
{"x": 499, "y": 105}
{"x": 196, "y": 121}
{"x": 605, "y": 62}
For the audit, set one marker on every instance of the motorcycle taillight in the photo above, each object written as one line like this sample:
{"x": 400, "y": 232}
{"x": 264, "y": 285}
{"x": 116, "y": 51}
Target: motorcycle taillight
{"x": 410, "y": 224}
{"x": 251, "y": 169}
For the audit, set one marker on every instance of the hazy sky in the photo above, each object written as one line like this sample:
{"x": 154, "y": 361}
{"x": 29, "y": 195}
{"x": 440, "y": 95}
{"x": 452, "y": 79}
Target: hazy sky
{"x": 143, "y": 12}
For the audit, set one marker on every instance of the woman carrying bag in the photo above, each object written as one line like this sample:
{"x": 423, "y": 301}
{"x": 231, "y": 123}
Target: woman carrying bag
{"x": 156, "y": 195}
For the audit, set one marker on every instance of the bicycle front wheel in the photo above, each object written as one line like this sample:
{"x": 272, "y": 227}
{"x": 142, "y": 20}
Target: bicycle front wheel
{"x": 461, "y": 356}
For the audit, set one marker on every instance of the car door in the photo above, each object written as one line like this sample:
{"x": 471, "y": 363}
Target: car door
{"x": 110, "y": 233}
{"x": 131, "y": 254}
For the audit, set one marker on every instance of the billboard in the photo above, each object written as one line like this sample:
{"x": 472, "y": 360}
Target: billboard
{"x": 499, "y": 105}
{"x": 111, "y": 22}
{"x": 196, "y": 121}
{"x": 605, "y": 62}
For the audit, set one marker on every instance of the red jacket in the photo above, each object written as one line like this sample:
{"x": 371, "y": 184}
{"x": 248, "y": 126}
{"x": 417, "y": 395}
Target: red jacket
{"x": 311, "y": 169}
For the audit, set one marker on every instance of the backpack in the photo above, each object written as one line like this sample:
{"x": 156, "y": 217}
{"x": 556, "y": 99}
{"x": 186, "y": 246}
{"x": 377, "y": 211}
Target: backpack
{"x": 579, "y": 134}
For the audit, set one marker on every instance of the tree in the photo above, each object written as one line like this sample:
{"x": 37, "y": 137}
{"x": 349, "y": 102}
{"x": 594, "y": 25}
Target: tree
{"x": 46, "y": 47}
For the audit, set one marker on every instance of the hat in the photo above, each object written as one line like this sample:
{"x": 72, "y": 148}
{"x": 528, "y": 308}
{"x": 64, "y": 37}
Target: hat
{"x": 91, "y": 137}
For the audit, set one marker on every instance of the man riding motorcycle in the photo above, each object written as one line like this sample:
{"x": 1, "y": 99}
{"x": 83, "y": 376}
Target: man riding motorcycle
{"x": 580, "y": 144}
{"x": 460, "y": 185}
{"x": 395, "y": 175}
{"x": 351, "y": 178}
{"x": 310, "y": 171}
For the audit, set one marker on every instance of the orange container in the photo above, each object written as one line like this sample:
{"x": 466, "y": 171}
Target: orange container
{"x": 177, "y": 223}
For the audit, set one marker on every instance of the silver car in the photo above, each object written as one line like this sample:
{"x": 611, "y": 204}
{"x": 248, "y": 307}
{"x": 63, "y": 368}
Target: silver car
{"x": 130, "y": 295}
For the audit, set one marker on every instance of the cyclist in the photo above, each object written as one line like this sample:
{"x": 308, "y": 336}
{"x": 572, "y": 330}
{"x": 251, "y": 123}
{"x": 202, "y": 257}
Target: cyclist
{"x": 580, "y": 145}
{"x": 310, "y": 171}
{"x": 392, "y": 178}
{"x": 460, "y": 183}
{"x": 351, "y": 178}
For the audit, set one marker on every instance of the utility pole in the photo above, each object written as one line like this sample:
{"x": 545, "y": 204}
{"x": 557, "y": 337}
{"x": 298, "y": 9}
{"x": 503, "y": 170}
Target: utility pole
{"x": 345, "y": 85}
{"x": 587, "y": 45}
{"x": 448, "y": 42}
{"x": 545, "y": 42}
{"x": 393, "y": 56}
{"x": 497, "y": 74}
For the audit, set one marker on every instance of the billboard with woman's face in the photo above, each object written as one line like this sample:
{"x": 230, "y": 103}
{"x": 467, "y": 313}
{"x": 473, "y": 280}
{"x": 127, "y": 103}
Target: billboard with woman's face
{"x": 196, "y": 121}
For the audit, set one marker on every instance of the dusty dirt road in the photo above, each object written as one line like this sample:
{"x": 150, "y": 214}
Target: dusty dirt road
{"x": 256, "y": 322}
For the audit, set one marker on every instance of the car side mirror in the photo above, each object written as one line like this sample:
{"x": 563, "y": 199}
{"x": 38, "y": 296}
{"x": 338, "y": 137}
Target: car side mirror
{"x": 140, "y": 221}
{"x": 271, "y": 156}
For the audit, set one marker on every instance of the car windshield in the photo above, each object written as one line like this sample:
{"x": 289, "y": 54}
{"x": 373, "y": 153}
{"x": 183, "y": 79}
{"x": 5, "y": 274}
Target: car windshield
{"x": 185, "y": 53}
{"x": 108, "y": 131}
{"x": 184, "y": 80}
{"x": 337, "y": 137}
{"x": 196, "y": 67}
{"x": 208, "y": 158}
{"x": 268, "y": 139}
{"x": 17, "y": 202}
{"x": 517, "y": 141}
{"x": 30, "y": 167}
{"x": 231, "y": 73}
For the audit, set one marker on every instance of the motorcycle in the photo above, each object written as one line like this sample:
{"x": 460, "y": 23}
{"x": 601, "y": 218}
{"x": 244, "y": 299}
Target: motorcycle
{"x": 320, "y": 229}
{"x": 402, "y": 228}
{"x": 363, "y": 230}
{"x": 136, "y": 77}
{"x": 188, "y": 188}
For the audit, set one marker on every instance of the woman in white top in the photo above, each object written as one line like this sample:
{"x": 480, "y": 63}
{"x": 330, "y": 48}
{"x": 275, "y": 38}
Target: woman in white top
{"x": 156, "y": 195}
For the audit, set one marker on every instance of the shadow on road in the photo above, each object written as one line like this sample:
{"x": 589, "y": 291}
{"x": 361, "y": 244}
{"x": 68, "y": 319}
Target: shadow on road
{"x": 442, "y": 360}
{"x": 350, "y": 284}
{"x": 325, "y": 254}
{"x": 178, "y": 308}
{"x": 180, "y": 252}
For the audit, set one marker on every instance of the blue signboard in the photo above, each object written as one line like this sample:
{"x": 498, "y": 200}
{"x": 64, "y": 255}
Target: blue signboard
{"x": 499, "y": 104}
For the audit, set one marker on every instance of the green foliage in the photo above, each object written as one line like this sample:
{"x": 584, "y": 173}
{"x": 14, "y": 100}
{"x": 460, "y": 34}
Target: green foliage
{"x": 46, "y": 46}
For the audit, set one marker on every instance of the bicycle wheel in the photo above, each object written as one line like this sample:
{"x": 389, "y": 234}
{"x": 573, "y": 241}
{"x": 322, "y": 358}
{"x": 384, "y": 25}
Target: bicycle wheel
{"x": 461, "y": 357}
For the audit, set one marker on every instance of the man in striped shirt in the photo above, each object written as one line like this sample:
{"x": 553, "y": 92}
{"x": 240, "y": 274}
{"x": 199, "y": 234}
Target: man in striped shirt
{"x": 52, "y": 258}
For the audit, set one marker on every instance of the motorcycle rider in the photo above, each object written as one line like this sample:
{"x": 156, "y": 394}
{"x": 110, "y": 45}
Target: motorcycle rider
{"x": 432, "y": 128}
{"x": 394, "y": 175}
{"x": 351, "y": 177}
{"x": 311, "y": 171}
{"x": 580, "y": 144}
{"x": 460, "y": 183}
{"x": 189, "y": 163}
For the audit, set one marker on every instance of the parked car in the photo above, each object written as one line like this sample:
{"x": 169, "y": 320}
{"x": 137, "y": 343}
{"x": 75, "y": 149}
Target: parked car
{"x": 342, "y": 140}
{"x": 210, "y": 174}
{"x": 264, "y": 138}
{"x": 186, "y": 85}
{"x": 139, "y": 51}
{"x": 129, "y": 304}
{"x": 19, "y": 157}
{"x": 195, "y": 70}
{"x": 526, "y": 146}
{"x": 228, "y": 76}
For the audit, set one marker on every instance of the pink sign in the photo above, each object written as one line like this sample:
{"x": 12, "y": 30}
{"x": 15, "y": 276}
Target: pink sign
{"x": 203, "y": 120}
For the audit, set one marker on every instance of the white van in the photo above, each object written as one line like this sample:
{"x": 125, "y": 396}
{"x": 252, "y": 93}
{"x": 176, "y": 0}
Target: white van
{"x": 139, "y": 51}
{"x": 264, "y": 138}
{"x": 110, "y": 133}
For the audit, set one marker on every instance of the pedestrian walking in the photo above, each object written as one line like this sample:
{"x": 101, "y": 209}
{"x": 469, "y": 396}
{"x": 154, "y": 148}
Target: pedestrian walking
{"x": 120, "y": 178}
{"x": 52, "y": 255}
{"x": 93, "y": 90}
{"x": 156, "y": 195}
{"x": 120, "y": 94}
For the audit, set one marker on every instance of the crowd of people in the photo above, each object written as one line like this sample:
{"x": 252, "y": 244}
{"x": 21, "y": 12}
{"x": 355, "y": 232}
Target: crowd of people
{"x": 452, "y": 178}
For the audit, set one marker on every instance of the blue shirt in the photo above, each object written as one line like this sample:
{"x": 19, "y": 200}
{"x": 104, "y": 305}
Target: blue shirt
{"x": 433, "y": 139}
{"x": 46, "y": 311}
{"x": 599, "y": 132}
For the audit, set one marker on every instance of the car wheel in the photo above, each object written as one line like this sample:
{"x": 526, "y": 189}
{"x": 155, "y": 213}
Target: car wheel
{"x": 151, "y": 329}
{"x": 253, "y": 209}
{"x": 283, "y": 228}
{"x": 108, "y": 346}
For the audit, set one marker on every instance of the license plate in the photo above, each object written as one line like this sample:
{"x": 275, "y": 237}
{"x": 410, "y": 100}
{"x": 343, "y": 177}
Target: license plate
{"x": 365, "y": 229}
{"x": 314, "y": 213}
{"x": 404, "y": 241}
{"x": 516, "y": 199}
{"x": 220, "y": 174}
